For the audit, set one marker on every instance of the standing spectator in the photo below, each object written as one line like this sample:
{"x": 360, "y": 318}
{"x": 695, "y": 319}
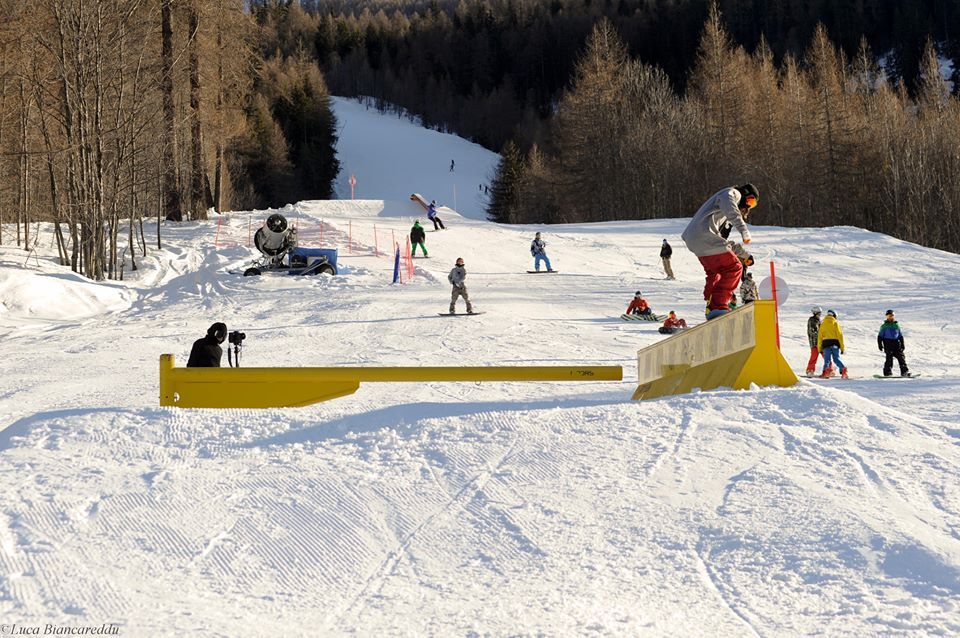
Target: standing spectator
{"x": 830, "y": 343}
{"x": 666, "y": 251}
{"x": 890, "y": 342}
{"x": 722, "y": 267}
{"x": 432, "y": 215}
{"x": 538, "y": 248}
{"x": 813, "y": 331}
{"x": 748, "y": 289}
{"x": 457, "y": 278}
{"x": 417, "y": 238}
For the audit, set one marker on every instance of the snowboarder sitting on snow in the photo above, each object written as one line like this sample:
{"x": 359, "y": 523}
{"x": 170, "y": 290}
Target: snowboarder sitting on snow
{"x": 432, "y": 216}
{"x": 890, "y": 341}
{"x": 813, "y": 330}
{"x": 417, "y": 238}
{"x": 671, "y": 324}
{"x": 206, "y": 351}
{"x": 458, "y": 277}
{"x": 830, "y": 343}
{"x": 722, "y": 267}
{"x": 638, "y": 306}
{"x": 748, "y": 289}
{"x": 538, "y": 248}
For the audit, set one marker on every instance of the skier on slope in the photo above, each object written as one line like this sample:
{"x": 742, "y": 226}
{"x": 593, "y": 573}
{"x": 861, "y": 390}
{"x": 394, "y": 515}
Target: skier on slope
{"x": 457, "y": 278}
{"x": 538, "y": 248}
{"x": 432, "y": 216}
{"x": 417, "y": 238}
{"x": 722, "y": 267}
{"x": 890, "y": 342}
{"x": 830, "y": 343}
{"x": 813, "y": 331}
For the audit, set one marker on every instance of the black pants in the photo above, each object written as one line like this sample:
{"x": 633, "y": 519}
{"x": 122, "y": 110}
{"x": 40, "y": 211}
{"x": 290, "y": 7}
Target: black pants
{"x": 437, "y": 224}
{"x": 893, "y": 352}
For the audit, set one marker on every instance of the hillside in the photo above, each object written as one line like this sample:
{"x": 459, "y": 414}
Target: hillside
{"x": 447, "y": 509}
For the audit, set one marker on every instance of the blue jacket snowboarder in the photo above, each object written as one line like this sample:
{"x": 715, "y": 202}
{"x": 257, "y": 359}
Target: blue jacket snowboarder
{"x": 890, "y": 342}
{"x": 432, "y": 216}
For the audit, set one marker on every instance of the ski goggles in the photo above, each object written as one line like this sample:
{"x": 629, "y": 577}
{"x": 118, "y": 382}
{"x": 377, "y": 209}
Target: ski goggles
{"x": 750, "y": 201}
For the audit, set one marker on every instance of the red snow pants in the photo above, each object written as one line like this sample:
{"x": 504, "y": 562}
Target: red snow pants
{"x": 812, "y": 363}
{"x": 723, "y": 276}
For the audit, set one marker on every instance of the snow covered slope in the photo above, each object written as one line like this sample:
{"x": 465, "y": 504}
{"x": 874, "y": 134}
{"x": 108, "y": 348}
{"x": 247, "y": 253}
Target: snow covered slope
{"x": 448, "y": 509}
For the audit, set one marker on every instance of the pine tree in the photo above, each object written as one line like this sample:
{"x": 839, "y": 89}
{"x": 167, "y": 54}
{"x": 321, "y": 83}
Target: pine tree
{"x": 506, "y": 186}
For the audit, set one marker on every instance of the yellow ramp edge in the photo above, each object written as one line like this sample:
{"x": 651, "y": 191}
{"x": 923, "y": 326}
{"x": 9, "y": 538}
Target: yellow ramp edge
{"x": 732, "y": 351}
{"x": 294, "y": 387}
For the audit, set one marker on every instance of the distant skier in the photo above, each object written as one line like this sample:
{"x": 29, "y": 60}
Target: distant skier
{"x": 432, "y": 216}
{"x": 452, "y": 163}
{"x": 538, "y": 248}
{"x": 748, "y": 289}
{"x": 639, "y": 306}
{"x": 458, "y": 277}
{"x": 666, "y": 251}
{"x": 813, "y": 331}
{"x": 703, "y": 238}
{"x": 206, "y": 351}
{"x": 890, "y": 341}
{"x": 672, "y": 324}
{"x": 417, "y": 238}
{"x": 830, "y": 343}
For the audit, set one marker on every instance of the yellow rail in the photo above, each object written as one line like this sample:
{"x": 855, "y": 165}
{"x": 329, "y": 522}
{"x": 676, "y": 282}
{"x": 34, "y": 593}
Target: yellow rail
{"x": 291, "y": 387}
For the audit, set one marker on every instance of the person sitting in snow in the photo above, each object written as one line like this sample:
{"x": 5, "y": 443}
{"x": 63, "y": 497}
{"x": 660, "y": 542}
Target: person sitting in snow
{"x": 890, "y": 342}
{"x": 672, "y": 324}
{"x": 639, "y": 306}
{"x": 432, "y": 216}
{"x": 417, "y": 238}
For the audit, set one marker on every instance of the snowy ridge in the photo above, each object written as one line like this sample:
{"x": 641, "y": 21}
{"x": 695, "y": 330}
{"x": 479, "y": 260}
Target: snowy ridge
{"x": 448, "y": 509}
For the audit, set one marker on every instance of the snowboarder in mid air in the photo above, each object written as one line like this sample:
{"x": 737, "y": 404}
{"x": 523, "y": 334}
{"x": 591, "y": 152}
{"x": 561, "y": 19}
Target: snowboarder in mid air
{"x": 830, "y": 343}
{"x": 538, "y": 248}
{"x": 703, "y": 237}
{"x": 890, "y": 342}
{"x": 457, "y": 278}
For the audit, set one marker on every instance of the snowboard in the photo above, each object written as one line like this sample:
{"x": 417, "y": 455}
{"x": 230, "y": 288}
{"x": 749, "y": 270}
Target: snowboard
{"x": 896, "y": 376}
{"x": 672, "y": 331}
{"x": 626, "y": 317}
{"x": 420, "y": 256}
{"x": 460, "y": 314}
{"x": 537, "y": 272}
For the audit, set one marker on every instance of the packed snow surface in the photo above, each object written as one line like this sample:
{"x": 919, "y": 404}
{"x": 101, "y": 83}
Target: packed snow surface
{"x": 831, "y": 507}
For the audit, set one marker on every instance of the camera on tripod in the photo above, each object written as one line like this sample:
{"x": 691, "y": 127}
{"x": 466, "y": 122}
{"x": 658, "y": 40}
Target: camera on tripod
{"x": 236, "y": 337}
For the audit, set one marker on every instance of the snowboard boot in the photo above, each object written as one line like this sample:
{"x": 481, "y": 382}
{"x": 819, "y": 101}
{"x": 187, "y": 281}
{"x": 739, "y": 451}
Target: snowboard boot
{"x": 843, "y": 374}
{"x": 811, "y": 372}
{"x": 713, "y": 314}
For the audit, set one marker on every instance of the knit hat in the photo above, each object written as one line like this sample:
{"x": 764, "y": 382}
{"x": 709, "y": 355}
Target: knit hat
{"x": 889, "y": 313}
{"x": 673, "y": 314}
{"x": 218, "y": 331}
{"x": 637, "y": 294}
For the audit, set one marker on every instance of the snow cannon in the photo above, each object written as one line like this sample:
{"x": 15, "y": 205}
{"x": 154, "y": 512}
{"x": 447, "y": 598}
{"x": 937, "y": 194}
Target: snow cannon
{"x": 735, "y": 350}
{"x": 277, "y": 242}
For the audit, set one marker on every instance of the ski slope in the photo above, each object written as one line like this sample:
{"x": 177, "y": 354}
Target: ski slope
{"x": 832, "y": 507}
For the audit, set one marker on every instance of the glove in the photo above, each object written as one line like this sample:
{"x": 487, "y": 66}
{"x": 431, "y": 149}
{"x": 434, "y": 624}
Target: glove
{"x": 881, "y": 348}
{"x": 841, "y": 352}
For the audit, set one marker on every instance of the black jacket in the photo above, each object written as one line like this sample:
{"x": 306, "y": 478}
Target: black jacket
{"x": 666, "y": 251}
{"x": 417, "y": 235}
{"x": 206, "y": 353}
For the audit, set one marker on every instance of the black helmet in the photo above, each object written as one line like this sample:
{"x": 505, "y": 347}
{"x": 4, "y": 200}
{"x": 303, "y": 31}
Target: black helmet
{"x": 637, "y": 294}
{"x": 218, "y": 331}
{"x": 749, "y": 189}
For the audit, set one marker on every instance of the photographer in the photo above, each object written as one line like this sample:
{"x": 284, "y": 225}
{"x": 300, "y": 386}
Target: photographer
{"x": 206, "y": 352}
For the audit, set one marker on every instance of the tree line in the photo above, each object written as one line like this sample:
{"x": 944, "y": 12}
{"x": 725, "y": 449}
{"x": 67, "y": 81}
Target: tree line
{"x": 117, "y": 110}
{"x": 829, "y": 140}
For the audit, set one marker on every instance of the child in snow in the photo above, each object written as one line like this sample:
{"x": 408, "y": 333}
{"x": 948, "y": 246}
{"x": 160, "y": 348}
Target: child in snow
{"x": 672, "y": 324}
{"x": 432, "y": 216}
{"x": 890, "y": 341}
{"x": 417, "y": 238}
{"x": 538, "y": 248}
{"x": 813, "y": 330}
{"x": 748, "y": 289}
{"x": 830, "y": 343}
{"x": 722, "y": 266}
{"x": 458, "y": 277}
{"x": 639, "y": 306}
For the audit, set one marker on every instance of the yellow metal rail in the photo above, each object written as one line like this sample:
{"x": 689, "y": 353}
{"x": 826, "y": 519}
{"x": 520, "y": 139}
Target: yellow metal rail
{"x": 735, "y": 350}
{"x": 291, "y": 387}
